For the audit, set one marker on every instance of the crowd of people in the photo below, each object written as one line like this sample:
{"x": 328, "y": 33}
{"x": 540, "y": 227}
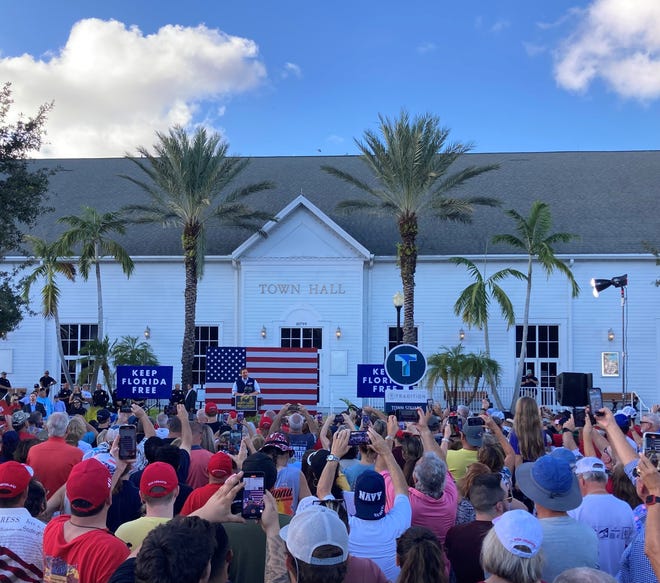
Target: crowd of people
{"x": 351, "y": 497}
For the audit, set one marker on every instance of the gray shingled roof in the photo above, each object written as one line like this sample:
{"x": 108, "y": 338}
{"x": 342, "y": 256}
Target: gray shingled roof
{"x": 609, "y": 198}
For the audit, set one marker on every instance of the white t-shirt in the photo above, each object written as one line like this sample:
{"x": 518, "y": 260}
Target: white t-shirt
{"x": 21, "y": 544}
{"x": 376, "y": 539}
{"x": 612, "y": 521}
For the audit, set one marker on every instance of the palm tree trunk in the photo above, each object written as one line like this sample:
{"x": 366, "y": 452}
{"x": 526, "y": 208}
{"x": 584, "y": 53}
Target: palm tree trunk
{"x": 99, "y": 298}
{"x": 190, "y": 297}
{"x": 492, "y": 381}
{"x": 407, "y": 255}
{"x": 58, "y": 333}
{"x": 523, "y": 348}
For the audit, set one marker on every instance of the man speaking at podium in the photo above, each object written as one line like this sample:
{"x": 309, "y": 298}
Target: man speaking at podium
{"x": 245, "y": 385}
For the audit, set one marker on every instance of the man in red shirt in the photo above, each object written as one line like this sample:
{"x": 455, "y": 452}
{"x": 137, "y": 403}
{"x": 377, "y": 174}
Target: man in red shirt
{"x": 53, "y": 459}
{"x": 219, "y": 469}
{"x": 79, "y": 547}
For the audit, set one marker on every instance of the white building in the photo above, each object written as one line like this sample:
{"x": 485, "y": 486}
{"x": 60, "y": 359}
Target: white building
{"x": 319, "y": 273}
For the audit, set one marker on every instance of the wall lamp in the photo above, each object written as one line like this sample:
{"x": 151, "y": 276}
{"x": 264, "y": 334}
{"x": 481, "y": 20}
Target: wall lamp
{"x": 147, "y": 332}
{"x": 610, "y": 335}
{"x": 461, "y": 334}
{"x": 263, "y": 331}
{"x": 338, "y": 333}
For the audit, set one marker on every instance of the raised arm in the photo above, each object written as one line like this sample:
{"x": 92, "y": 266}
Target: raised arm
{"x": 147, "y": 426}
{"x": 624, "y": 451}
{"x": 186, "y": 432}
{"x": 384, "y": 451}
{"x": 311, "y": 422}
{"x": 327, "y": 478}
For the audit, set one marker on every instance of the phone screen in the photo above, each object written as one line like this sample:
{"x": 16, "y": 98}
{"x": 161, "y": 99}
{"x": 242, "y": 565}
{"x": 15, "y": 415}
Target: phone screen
{"x": 651, "y": 445}
{"x": 595, "y": 400}
{"x": 579, "y": 416}
{"x": 253, "y": 495}
{"x": 127, "y": 442}
{"x": 240, "y": 416}
{"x": 407, "y": 415}
{"x": 475, "y": 421}
{"x": 358, "y": 438}
{"x": 235, "y": 438}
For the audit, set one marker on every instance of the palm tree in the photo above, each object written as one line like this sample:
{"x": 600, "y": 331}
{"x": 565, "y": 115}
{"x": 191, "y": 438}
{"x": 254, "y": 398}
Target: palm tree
{"x": 95, "y": 356}
{"x": 474, "y": 302}
{"x": 535, "y": 239}
{"x": 130, "y": 350}
{"x": 187, "y": 178}
{"x": 410, "y": 161}
{"x": 49, "y": 268}
{"x": 447, "y": 366}
{"x": 90, "y": 231}
{"x": 479, "y": 366}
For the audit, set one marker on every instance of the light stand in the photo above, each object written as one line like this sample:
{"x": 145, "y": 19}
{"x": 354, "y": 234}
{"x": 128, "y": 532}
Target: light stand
{"x": 620, "y": 282}
{"x": 397, "y": 300}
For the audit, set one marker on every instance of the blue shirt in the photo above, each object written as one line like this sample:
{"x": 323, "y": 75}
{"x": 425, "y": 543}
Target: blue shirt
{"x": 635, "y": 566}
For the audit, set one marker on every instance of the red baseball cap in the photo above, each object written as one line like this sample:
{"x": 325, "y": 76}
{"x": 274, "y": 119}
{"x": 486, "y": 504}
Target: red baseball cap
{"x": 88, "y": 485}
{"x": 158, "y": 480}
{"x": 219, "y": 465}
{"x": 265, "y": 422}
{"x": 211, "y": 409}
{"x": 14, "y": 479}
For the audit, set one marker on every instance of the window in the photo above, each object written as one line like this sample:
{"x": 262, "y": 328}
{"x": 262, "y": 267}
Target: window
{"x": 392, "y": 337}
{"x": 301, "y": 338}
{"x": 542, "y": 358}
{"x": 205, "y": 336}
{"x": 74, "y": 337}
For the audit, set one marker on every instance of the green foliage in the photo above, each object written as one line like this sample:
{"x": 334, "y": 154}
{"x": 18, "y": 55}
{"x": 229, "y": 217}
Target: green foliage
{"x": 131, "y": 350}
{"x": 23, "y": 192}
{"x": 90, "y": 233}
{"x": 458, "y": 369}
{"x": 474, "y": 301}
{"x": 656, "y": 253}
{"x": 187, "y": 185}
{"x": 410, "y": 160}
{"x": 12, "y": 304}
{"x": 535, "y": 239}
{"x": 95, "y": 356}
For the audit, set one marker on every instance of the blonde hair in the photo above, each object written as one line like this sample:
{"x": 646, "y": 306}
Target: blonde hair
{"x": 528, "y": 428}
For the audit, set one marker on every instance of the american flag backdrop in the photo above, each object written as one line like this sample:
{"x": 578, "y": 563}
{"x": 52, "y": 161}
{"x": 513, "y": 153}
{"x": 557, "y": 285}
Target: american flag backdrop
{"x": 285, "y": 375}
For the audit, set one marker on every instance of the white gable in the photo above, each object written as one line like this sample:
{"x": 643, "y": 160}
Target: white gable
{"x": 302, "y": 231}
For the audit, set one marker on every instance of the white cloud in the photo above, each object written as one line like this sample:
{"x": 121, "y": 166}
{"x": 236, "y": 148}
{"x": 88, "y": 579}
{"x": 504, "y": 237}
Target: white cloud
{"x": 424, "y": 48}
{"x": 113, "y": 86}
{"x": 500, "y": 25}
{"x": 617, "y": 41}
{"x": 335, "y": 139}
{"x": 532, "y": 49}
{"x": 291, "y": 70}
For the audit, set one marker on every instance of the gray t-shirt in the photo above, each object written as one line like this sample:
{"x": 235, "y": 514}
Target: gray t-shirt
{"x": 567, "y": 543}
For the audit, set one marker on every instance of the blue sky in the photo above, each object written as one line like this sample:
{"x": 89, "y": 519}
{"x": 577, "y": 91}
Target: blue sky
{"x": 306, "y": 78}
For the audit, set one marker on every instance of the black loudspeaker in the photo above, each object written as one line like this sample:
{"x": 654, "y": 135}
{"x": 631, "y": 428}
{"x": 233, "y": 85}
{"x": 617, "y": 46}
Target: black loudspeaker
{"x": 573, "y": 388}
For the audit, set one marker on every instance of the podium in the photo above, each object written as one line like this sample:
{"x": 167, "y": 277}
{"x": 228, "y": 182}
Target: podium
{"x": 248, "y": 403}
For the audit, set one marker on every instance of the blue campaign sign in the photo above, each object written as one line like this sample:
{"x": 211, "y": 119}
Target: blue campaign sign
{"x": 405, "y": 365}
{"x": 144, "y": 382}
{"x": 372, "y": 381}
